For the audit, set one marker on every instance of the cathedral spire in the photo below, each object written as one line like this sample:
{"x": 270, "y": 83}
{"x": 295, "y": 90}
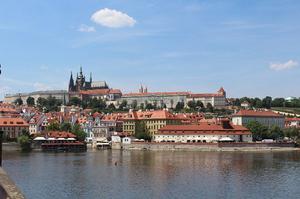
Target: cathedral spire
{"x": 71, "y": 83}
{"x": 80, "y": 70}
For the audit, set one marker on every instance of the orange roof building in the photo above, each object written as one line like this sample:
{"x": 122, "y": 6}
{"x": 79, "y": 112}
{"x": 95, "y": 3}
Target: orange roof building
{"x": 151, "y": 120}
{"x": 13, "y": 127}
{"x": 204, "y": 132}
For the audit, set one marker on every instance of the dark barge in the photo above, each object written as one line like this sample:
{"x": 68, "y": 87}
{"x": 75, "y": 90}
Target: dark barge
{"x": 64, "y": 147}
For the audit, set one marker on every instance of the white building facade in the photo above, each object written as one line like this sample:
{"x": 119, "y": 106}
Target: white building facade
{"x": 203, "y": 133}
{"x": 266, "y": 118}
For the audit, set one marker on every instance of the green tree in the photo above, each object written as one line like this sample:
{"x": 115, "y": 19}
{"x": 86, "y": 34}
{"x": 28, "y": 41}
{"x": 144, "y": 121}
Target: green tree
{"x": 258, "y": 103}
{"x": 293, "y": 133}
{"x": 134, "y": 104}
{"x": 30, "y": 101}
{"x": 80, "y": 134}
{"x": 259, "y": 131}
{"x": 172, "y": 103}
{"x": 111, "y": 107}
{"x": 266, "y": 102}
{"x": 149, "y": 106}
{"x": 209, "y": 107}
{"x": 18, "y": 101}
{"x": 41, "y": 102}
{"x": 142, "y": 106}
{"x": 192, "y": 104}
{"x": 123, "y": 105}
{"x": 179, "y": 106}
{"x": 66, "y": 126}
{"x": 141, "y": 132}
{"x": 275, "y": 133}
{"x": 199, "y": 104}
{"x": 278, "y": 102}
{"x": 25, "y": 141}
{"x": 52, "y": 103}
{"x": 155, "y": 105}
{"x": 97, "y": 104}
{"x": 236, "y": 102}
{"x": 53, "y": 126}
{"x": 75, "y": 101}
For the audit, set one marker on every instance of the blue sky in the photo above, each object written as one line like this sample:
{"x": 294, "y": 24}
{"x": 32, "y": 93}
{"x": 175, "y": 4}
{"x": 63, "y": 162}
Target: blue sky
{"x": 251, "y": 48}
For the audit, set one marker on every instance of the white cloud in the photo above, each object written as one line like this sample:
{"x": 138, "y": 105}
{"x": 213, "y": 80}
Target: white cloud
{"x": 283, "y": 66}
{"x": 112, "y": 18}
{"x": 85, "y": 28}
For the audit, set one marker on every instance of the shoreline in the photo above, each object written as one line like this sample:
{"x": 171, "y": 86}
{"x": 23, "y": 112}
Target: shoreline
{"x": 203, "y": 147}
{"x": 7, "y": 147}
{"x": 271, "y": 149}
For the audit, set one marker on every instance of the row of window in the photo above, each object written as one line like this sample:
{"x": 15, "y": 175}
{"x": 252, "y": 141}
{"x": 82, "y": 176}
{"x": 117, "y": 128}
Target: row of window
{"x": 10, "y": 128}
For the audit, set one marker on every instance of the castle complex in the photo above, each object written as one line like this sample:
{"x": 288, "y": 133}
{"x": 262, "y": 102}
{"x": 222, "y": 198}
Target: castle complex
{"x": 81, "y": 84}
{"x": 84, "y": 89}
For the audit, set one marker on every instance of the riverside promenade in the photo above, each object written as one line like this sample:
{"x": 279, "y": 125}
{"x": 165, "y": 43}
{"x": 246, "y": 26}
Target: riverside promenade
{"x": 153, "y": 146}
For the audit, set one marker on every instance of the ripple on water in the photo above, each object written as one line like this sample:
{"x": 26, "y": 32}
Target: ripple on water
{"x": 144, "y": 174}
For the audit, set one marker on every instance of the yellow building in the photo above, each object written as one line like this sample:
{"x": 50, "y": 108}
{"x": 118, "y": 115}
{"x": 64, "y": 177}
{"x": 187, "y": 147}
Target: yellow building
{"x": 151, "y": 120}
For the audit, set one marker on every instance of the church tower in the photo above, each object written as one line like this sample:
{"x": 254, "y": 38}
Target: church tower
{"x": 222, "y": 92}
{"x": 71, "y": 83}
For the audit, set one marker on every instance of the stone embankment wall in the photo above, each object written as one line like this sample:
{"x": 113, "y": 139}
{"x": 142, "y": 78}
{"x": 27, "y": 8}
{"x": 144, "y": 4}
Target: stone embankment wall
{"x": 8, "y": 190}
{"x": 204, "y": 146}
{"x": 11, "y": 146}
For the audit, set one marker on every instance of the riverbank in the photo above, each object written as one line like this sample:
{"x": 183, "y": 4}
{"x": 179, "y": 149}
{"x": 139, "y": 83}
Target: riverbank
{"x": 206, "y": 146}
{"x": 11, "y": 146}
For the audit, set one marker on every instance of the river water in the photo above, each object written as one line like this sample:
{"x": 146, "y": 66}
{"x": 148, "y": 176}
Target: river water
{"x": 146, "y": 174}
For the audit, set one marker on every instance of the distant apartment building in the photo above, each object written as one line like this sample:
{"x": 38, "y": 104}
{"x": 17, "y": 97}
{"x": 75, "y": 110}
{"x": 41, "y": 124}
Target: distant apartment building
{"x": 267, "y": 118}
{"x": 13, "y": 127}
{"x": 170, "y": 99}
{"x": 217, "y": 100}
{"x": 204, "y": 133}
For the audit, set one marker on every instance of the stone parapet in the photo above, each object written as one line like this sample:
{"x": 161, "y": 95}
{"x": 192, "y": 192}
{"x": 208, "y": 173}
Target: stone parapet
{"x": 8, "y": 189}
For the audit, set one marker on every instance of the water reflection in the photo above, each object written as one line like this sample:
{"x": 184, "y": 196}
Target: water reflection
{"x": 144, "y": 174}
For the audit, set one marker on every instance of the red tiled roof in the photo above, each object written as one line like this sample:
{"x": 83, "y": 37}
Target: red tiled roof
{"x": 203, "y": 128}
{"x": 114, "y": 116}
{"x": 155, "y": 93}
{"x": 292, "y": 119}
{"x": 100, "y": 91}
{"x": 115, "y": 91}
{"x": 150, "y": 115}
{"x": 199, "y": 95}
{"x": 8, "y": 110}
{"x": 221, "y": 90}
{"x": 60, "y": 134}
{"x": 254, "y": 113}
{"x": 13, "y": 122}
